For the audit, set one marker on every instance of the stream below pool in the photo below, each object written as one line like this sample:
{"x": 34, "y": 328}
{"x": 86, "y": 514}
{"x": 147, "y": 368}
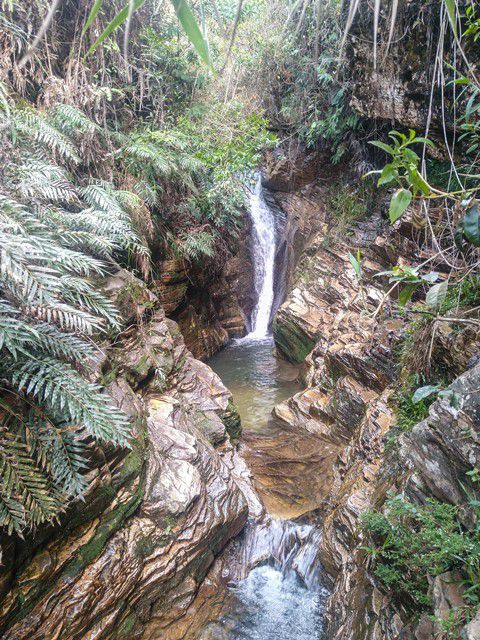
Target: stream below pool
{"x": 274, "y": 587}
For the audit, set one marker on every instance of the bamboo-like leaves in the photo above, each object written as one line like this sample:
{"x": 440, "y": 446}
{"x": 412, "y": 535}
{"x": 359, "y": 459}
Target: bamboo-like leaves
{"x": 182, "y": 10}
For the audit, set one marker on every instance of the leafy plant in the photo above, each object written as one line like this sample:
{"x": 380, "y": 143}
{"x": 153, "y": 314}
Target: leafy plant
{"x": 402, "y": 170}
{"x": 51, "y": 310}
{"x": 184, "y": 14}
{"x": 413, "y": 541}
{"x": 410, "y": 277}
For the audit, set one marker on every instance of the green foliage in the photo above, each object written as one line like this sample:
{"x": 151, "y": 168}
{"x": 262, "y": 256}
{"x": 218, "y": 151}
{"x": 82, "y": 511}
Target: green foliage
{"x": 227, "y": 138}
{"x": 314, "y": 101}
{"x": 463, "y": 294}
{"x": 472, "y": 30}
{"x": 402, "y": 170}
{"x": 346, "y": 205}
{"x": 356, "y": 263}
{"x": 184, "y": 14}
{"x": 410, "y": 408}
{"x": 468, "y": 228}
{"x": 50, "y": 309}
{"x": 333, "y": 124}
{"x": 441, "y": 175}
{"x": 411, "y": 277}
{"x": 412, "y": 542}
{"x": 172, "y": 69}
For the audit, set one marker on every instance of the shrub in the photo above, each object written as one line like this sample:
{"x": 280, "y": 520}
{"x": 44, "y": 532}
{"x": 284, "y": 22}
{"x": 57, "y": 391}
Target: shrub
{"x": 413, "y": 541}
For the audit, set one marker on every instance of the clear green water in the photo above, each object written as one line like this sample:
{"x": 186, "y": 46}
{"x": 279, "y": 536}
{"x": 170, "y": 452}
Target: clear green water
{"x": 257, "y": 378}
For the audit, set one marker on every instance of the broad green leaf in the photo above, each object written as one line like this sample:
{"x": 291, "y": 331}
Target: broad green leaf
{"x": 418, "y": 181}
{"x": 191, "y": 28}
{"x": 389, "y": 173}
{"x": 411, "y": 156}
{"x": 381, "y": 145}
{"x": 93, "y": 14}
{"x": 471, "y": 225}
{"x": 425, "y": 392}
{"x": 436, "y": 295}
{"x": 451, "y": 10}
{"x": 399, "y": 203}
{"x": 430, "y": 277}
{"x": 113, "y": 24}
{"x": 406, "y": 293}
{"x": 425, "y": 141}
{"x": 356, "y": 264}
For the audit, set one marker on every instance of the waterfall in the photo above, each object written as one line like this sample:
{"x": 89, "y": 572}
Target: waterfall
{"x": 288, "y": 546}
{"x": 264, "y": 261}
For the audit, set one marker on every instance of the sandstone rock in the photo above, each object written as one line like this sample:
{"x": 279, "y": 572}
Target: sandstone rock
{"x": 154, "y": 518}
{"x": 472, "y": 629}
{"x": 172, "y": 286}
{"x": 287, "y": 169}
{"x": 202, "y": 331}
{"x": 131, "y": 296}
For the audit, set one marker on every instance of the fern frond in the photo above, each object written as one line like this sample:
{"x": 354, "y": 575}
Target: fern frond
{"x": 57, "y": 452}
{"x": 146, "y": 192}
{"x": 79, "y": 292}
{"x": 67, "y": 317}
{"x": 33, "y": 125}
{"x": 72, "y": 121}
{"x": 60, "y": 344}
{"x": 13, "y": 516}
{"x": 44, "y": 180}
{"x": 96, "y": 195}
{"x": 64, "y": 391}
{"x": 15, "y": 334}
{"x": 198, "y": 245}
{"x": 21, "y": 478}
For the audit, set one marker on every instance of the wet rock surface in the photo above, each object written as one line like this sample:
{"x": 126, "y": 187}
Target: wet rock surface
{"x": 212, "y": 307}
{"x": 154, "y": 518}
{"x": 350, "y": 374}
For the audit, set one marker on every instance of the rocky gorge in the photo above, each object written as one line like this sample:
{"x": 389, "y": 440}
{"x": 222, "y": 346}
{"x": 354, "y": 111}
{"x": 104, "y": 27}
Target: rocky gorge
{"x": 266, "y": 398}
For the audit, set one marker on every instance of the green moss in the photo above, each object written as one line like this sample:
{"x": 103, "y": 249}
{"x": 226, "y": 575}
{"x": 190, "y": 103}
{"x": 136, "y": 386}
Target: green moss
{"x": 108, "y": 526}
{"x": 109, "y": 377}
{"x": 294, "y": 344}
{"x": 85, "y": 555}
{"x": 231, "y": 420}
{"x": 143, "y": 365}
{"x": 126, "y": 626}
{"x": 130, "y": 468}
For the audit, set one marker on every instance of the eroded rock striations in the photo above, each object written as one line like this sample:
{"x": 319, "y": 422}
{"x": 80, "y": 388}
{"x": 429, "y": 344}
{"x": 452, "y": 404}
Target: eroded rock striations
{"x": 350, "y": 372}
{"x": 154, "y": 517}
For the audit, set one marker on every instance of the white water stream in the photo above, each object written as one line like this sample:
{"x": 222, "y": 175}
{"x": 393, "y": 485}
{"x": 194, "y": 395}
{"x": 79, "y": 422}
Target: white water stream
{"x": 264, "y": 241}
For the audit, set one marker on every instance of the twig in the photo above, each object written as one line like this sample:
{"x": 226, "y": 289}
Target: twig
{"x": 41, "y": 32}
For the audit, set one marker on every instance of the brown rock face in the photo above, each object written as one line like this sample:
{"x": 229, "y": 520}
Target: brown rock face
{"x": 289, "y": 168}
{"x": 210, "y": 306}
{"x": 398, "y": 90}
{"x": 154, "y": 518}
{"x": 350, "y": 371}
{"x": 173, "y": 284}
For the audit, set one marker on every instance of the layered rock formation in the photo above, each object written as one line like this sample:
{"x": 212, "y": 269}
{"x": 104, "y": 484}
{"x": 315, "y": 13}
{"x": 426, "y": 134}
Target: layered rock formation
{"x": 209, "y": 307}
{"x": 351, "y": 371}
{"x": 154, "y": 518}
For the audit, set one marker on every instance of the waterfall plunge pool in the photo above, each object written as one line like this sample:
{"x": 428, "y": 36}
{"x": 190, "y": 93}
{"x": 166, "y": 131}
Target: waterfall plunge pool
{"x": 275, "y": 579}
{"x": 274, "y": 587}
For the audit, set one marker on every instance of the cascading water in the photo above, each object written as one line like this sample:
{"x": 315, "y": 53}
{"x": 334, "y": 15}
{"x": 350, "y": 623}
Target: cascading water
{"x": 264, "y": 261}
{"x": 275, "y": 574}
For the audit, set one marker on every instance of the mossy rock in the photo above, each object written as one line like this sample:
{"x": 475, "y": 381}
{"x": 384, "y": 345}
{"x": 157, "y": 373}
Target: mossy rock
{"x": 292, "y": 342}
{"x": 231, "y": 420}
